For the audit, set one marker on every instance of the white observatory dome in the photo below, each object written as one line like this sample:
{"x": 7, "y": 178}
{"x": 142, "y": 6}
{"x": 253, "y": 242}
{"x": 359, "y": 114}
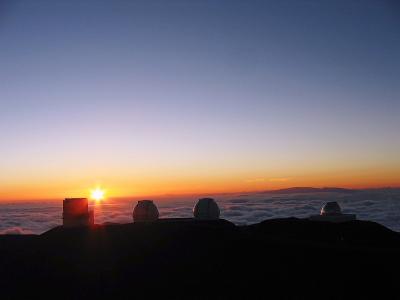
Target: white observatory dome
{"x": 206, "y": 209}
{"x": 145, "y": 211}
{"x": 331, "y": 209}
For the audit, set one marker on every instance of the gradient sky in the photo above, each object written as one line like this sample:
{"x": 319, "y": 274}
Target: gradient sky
{"x": 153, "y": 97}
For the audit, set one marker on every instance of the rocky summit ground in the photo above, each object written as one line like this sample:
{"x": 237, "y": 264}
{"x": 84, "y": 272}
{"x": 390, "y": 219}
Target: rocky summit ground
{"x": 186, "y": 259}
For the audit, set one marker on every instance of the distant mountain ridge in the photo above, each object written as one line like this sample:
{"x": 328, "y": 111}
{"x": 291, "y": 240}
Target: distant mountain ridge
{"x": 300, "y": 190}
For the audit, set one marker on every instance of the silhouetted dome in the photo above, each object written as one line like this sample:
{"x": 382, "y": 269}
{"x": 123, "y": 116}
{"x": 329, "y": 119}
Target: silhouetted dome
{"x": 206, "y": 209}
{"x": 145, "y": 211}
{"x": 331, "y": 208}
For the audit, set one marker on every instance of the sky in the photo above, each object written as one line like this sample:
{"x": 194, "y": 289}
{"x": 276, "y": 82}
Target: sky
{"x": 175, "y": 97}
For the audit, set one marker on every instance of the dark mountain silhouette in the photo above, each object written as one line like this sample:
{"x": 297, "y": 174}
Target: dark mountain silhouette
{"x": 300, "y": 190}
{"x": 187, "y": 259}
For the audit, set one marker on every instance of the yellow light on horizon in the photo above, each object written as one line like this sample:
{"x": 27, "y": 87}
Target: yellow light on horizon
{"x": 97, "y": 194}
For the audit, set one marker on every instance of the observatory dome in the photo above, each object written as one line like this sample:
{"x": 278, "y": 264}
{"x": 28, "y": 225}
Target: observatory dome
{"x": 206, "y": 209}
{"x": 330, "y": 209}
{"x": 145, "y": 211}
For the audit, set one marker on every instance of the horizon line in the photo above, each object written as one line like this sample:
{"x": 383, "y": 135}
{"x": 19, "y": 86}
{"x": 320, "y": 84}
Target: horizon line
{"x": 199, "y": 194}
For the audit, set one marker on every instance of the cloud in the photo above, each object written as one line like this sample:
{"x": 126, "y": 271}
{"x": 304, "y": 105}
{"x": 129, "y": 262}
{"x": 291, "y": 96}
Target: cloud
{"x": 229, "y": 214}
{"x": 15, "y": 230}
{"x": 239, "y": 200}
{"x": 380, "y": 206}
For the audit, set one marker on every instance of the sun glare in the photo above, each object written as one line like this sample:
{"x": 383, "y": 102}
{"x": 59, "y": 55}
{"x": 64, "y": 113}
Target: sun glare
{"x": 97, "y": 194}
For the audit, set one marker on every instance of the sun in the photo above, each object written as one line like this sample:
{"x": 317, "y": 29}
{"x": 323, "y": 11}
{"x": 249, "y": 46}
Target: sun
{"x": 97, "y": 194}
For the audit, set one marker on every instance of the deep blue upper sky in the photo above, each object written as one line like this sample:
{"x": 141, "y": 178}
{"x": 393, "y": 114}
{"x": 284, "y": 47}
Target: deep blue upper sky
{"x": 268, "y": 87}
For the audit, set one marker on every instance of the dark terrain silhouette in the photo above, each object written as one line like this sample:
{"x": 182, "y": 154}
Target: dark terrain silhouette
{"x": 182, "y": 258}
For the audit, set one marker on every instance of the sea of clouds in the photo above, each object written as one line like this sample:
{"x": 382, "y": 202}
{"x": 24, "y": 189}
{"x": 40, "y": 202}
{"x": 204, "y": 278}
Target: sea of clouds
{"x": 382, "y": 206}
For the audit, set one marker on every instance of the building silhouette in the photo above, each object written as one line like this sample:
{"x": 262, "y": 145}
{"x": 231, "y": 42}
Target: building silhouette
{"x": 331, "y": 212}
{"x": 76, "y": 212}
{"x": 145, "y": 211}
{"x": 206, "y": 209}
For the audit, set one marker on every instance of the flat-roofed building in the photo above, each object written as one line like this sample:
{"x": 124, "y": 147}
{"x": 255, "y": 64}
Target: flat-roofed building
{"x": 76, "y": 212}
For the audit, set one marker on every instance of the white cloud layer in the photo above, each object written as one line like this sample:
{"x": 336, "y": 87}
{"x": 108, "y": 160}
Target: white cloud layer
{"x": 382, "y": 206}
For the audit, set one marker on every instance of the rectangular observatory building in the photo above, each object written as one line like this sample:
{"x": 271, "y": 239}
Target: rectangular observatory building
{"x": 76, "y": 212}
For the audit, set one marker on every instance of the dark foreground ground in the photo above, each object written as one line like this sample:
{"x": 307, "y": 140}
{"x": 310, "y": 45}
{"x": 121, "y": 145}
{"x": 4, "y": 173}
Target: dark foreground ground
{"x": 285, "y": 258}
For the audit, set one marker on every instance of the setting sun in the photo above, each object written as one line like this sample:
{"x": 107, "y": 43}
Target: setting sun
{"x": 97, "y": 194}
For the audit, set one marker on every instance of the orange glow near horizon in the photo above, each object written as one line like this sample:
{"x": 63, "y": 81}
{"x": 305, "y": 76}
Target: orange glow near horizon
{"x": 188, "y": 183}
